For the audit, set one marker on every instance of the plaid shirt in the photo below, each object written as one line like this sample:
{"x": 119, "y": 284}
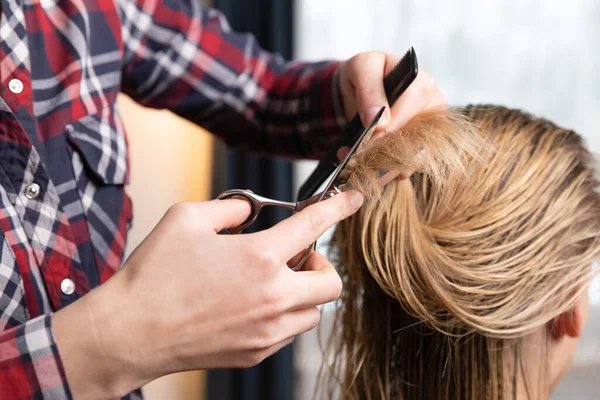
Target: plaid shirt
{"x": 64, "y": 213}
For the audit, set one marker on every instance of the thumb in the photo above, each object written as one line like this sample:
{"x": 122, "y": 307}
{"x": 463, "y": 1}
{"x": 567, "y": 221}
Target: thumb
{"x": 224, "y": 214}
{"x": 367, "y": 77}
{"x": 367, "y": 115}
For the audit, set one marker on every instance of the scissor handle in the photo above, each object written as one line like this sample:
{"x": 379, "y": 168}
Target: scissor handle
{"x": 258, "y": 202}
{"x": 255, "y": 207}
{"x": 309, "y": 250}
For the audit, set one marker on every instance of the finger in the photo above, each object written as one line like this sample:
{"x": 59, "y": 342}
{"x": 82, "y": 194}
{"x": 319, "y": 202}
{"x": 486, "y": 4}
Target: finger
{"x": 275, "y": 348}
{"x": 318, "y": 263}
{"x": 318, "y": 283}
{"x": 294, "y": 323}
{"x": 297, "y": 232}
{"x": 295, "y": 261}
{"x": 252, "y": 358}
{"x": 367, "y": 74}
{"x": 287, "y": 327}
{"x": 224, "y": 214}
{"x": 415, "y": 99}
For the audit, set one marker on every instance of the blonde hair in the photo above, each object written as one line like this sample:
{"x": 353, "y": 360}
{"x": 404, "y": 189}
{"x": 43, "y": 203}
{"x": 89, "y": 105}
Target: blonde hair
{"x": 446, "y": 272}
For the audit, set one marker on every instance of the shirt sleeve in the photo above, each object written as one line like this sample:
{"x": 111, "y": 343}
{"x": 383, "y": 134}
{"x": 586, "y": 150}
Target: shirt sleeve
{"x": 30, "y": 366}
{"x": 183, "y": 57}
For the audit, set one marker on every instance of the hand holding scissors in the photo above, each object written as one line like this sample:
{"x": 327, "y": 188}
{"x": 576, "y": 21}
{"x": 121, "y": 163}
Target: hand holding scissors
{"x": 334, "y": 185}
{"x": 395, "y": 84}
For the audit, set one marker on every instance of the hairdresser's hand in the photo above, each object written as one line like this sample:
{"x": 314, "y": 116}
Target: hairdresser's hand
{"x": 361, "y": 86}
{"x": 188, "y": 298}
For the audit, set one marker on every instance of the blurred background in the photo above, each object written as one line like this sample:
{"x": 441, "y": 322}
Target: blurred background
{"x": 540, "y": 55}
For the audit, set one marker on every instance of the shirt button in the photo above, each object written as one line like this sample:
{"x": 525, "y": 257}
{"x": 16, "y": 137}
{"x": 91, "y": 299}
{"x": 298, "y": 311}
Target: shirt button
{"x": 15, "y": 86}
{"x": 67, "y": 286}
{"x": 32, "y": 191}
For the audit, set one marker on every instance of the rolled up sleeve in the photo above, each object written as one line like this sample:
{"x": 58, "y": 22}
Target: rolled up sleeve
{"x": 30, "y": 365}
{"x": 185, "y": 58}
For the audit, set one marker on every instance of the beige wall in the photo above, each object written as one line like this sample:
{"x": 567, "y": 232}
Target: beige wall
{"x": 170, "y": 162}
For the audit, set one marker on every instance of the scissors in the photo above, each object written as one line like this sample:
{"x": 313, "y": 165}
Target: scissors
{"x": 334, "y": 185}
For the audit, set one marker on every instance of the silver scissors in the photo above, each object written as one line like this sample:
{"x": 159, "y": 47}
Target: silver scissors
{"x": 334, "y": 186}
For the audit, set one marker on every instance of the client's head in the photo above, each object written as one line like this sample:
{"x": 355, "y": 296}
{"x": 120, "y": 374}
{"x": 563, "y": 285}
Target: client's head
{"x": 468, "y": 280}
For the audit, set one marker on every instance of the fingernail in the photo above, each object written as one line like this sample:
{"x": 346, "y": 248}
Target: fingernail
{"x": 370, "y": 113}
{"x": 356, "y": 200}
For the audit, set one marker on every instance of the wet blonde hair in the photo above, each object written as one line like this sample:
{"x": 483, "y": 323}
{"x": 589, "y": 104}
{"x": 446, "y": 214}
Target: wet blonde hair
{"x": 446, "y": 272}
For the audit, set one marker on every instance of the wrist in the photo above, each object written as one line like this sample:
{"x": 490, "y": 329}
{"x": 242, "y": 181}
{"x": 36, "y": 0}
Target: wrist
{"x": 89, "y": 335}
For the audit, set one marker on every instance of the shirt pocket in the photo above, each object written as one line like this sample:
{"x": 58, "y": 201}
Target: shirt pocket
{"x": 100, "y": 141}
{"x": 98, "y": 149}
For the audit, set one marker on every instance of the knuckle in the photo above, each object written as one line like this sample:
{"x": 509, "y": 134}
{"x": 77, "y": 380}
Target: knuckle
{"x": 360, "y": 57}
{"x": 178, "y": 208}
{"x": 264, "y": 257}
{"x": 366, "y": 60}
{"x": 182, "y": 211}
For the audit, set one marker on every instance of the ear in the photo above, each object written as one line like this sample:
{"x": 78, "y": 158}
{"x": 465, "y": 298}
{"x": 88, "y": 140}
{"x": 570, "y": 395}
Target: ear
{"x": 571, "y": 322}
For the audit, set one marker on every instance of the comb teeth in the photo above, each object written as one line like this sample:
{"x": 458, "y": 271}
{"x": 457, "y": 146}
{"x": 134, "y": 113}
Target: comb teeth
{"x": 403, "y": 74}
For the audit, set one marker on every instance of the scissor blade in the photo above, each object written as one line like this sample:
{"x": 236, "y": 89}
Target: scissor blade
{"x": 364, "y": 136}
{"x": 330, "y": 161}
{"x": 358, "y": 145}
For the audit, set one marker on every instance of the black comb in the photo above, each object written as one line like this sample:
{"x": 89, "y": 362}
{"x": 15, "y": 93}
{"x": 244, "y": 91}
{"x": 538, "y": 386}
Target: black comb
{"x": 395, "y": 83}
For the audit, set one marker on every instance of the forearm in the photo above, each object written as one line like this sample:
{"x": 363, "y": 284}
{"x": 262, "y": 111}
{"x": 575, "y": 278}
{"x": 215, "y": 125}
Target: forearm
{"x": 226, "y": 83}
{"x": 96, "y": 339}
{"x": 298, "y": 114}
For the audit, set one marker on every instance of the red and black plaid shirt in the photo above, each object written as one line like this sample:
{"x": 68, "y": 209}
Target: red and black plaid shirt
{"x": 64, "y": 213}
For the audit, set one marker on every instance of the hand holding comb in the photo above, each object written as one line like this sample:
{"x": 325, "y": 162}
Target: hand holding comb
{"x": 395, "y": 84}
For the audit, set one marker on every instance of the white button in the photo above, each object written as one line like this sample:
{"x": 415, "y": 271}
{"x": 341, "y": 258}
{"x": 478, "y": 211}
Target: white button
{"x": 15, "y": 86}
{"x": 67, "y": 286}
{"x": 32, "y": 191}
